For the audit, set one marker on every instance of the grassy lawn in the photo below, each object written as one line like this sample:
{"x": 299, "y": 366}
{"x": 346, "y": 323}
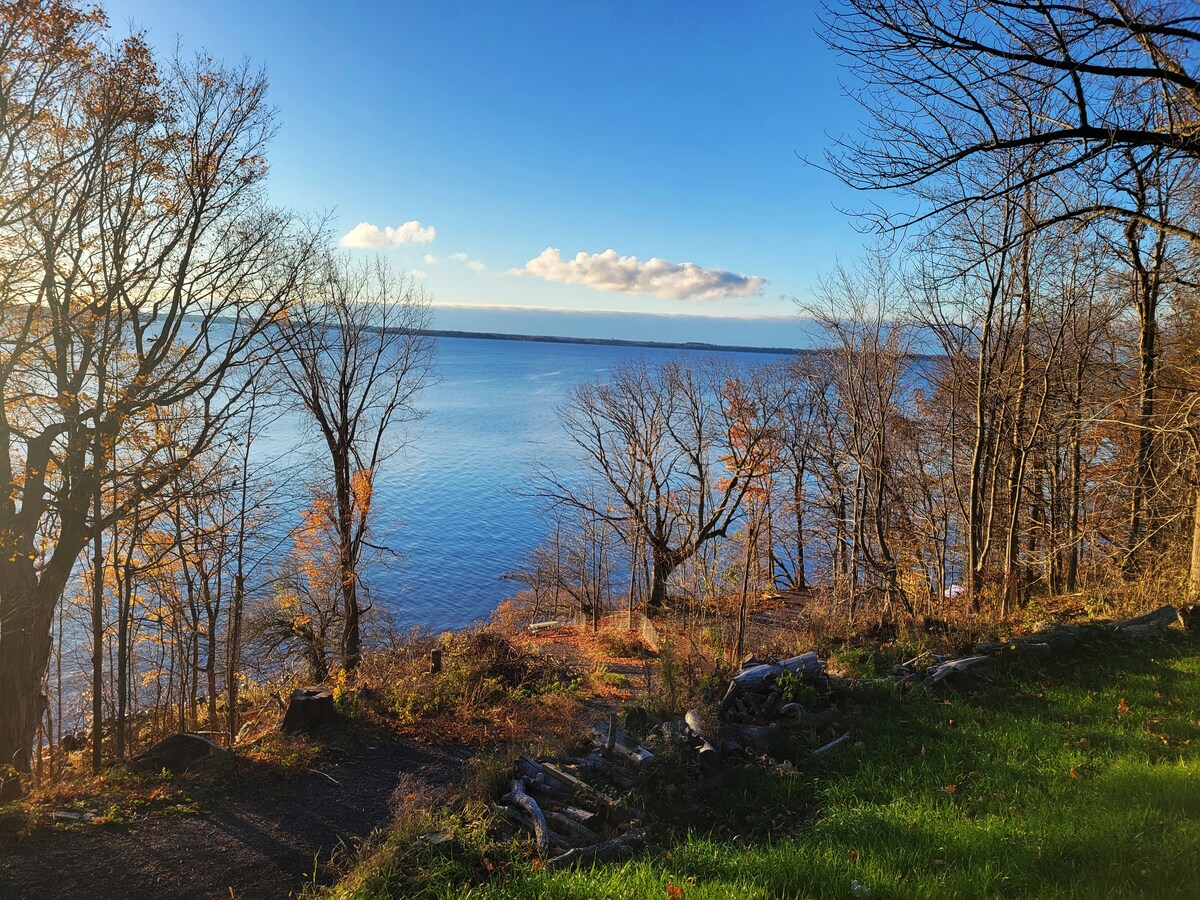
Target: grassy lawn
{"x": 1078, "y": 778}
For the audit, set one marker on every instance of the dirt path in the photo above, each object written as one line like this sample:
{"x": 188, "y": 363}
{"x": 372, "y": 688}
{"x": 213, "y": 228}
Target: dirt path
{"x": 252, "y": 842}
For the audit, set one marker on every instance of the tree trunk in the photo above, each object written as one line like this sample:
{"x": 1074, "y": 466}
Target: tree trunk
{"x": 800, "y": 578}
{"x": 97, "y": 637}
{"x": 124, "y": 600}
{"x": 351, "y": 627}
{"x": 210, "y": 672}
{"x": 1014, "y": 591}
{"x": 743, "y": 608}
{"x": 1076, "y": 498}
{"x": 347, "y": 560}
{"x": 27, "y": 612}
{"x": 665, "y": 562}
{"x": 1147, "y": 279}
{"x": 1194, "y": 569}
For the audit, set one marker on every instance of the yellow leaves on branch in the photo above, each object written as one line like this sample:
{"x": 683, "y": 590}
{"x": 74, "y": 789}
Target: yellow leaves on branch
{"x": 362, "y": 484}
{"x": 315, "y": 544}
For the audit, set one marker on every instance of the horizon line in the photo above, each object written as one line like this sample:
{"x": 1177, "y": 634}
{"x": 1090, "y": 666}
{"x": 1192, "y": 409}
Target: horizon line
{"x": 615, "y": 312}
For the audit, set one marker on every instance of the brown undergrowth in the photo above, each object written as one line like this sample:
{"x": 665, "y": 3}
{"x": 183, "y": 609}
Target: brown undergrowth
{"x": 502, "y": 687}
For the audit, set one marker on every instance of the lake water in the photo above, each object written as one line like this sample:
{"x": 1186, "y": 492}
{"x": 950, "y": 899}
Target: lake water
{"x": 450, "y": 503}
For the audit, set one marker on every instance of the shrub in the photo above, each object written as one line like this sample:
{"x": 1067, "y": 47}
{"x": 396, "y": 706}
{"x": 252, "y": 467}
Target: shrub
{"x": 622, "y": 644}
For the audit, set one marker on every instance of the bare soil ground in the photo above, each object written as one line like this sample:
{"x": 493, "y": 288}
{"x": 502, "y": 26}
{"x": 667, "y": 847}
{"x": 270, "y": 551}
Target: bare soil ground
{"x": 251, "y": 841}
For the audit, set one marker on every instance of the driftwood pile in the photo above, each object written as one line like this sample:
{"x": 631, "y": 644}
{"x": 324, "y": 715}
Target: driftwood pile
{"x": 578, "y": 808}
{"x": 1047, "y": 641}
{"x": 764, "y": 709}
{"x": 572, "y": 805}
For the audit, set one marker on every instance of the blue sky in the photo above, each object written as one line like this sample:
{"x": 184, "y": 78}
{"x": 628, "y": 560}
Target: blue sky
{"x": 665, "y": 131}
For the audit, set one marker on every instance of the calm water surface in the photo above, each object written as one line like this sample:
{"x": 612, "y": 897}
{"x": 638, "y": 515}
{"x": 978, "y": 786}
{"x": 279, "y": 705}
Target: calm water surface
{"x": 450, "y": 503}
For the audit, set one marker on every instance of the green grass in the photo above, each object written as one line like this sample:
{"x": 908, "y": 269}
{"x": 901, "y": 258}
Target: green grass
{"x": 1078, "y": 778}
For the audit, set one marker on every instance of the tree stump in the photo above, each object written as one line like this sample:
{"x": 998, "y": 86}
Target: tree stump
{"x": 308, "y": 708}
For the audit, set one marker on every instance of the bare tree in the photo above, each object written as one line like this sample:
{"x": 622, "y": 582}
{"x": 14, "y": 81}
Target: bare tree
{"x": 664, "y": 442}
{"x": 133, "y": 226}
{"x": 1095, "y": 84}
{"x": 356, "y": 355}
{"x": 869, "y": 354}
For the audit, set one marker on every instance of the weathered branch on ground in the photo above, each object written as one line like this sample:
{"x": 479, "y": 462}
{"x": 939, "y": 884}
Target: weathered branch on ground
{"x": 943, "y": 670}
{"x": 603, "y": 852}
{"x": 531, "y": 809}
{"x": 832, "y": 745}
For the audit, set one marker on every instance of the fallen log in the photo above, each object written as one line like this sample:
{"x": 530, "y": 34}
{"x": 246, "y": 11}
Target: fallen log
{"x": 626, "y": 815}
{"x": 569, "y": 781}
{"x": 614, "y": 742}
{"x": 582, "y": 816}
{"x": 708, "y": 755}
{"x": 570, "y": 828}
{"x": 602, "y": 852}
{"x": 759, "y": 738}
{"x": 1046, "y": 641}
{"x": 596, "y": 766}
{"x": 538, "y": 779}
{"x": 1152, "y": 624}
{"x": 531, "y": 809}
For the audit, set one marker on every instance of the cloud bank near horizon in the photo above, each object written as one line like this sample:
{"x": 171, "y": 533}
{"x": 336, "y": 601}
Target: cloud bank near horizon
{"x": 609, "y": 271}
{"x": 365, "y": 235}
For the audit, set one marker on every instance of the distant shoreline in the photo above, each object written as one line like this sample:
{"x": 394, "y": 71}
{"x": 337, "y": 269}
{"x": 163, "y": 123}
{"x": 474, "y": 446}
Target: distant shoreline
{"x": 613, "y": 342}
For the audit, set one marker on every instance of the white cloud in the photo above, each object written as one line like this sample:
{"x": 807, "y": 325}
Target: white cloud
{"x": 608, "y": 271}
{"x": 475, "y": 265}
{"x": 364, "y": 234}
{"x": 417, "y": 273}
